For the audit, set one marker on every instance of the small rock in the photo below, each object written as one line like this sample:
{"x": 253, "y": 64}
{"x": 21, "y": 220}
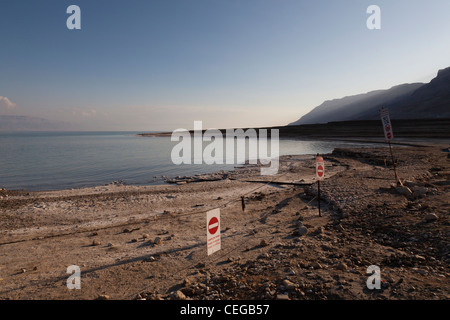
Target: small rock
{"x": 145, "y": 236}
{"x": 403, "y": 190}
{"x": 430, "y": 217}
{"x": 282, "y": 297}
{"x": 342, "y": 266}
{"x": 134, "y": 240}
{"x": 103, "y": 297}
{"x": 178, "y": 295}
{"x": 316, "y": 265}
{"x": 186, "y": 282}
{"x": 289, "y": 285}
{"x": 264, "y": 243}
{"x": 302, "y": 230}
{"x": 420, "y": 271}
{"x": 96, "y": 243}
{"x": 418, "y": 257}
{"x": 320, "y": 230}
{"x": 157, "y": 240}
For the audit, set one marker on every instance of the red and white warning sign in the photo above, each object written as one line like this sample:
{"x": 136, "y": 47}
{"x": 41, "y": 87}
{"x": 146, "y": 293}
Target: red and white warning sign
{"x": 320, "y": 168}
{"x": 213, "y": 230}
{"x": 387, "y": 126}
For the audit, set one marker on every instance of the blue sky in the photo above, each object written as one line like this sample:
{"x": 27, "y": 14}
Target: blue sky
{"x": 160, "y": 65}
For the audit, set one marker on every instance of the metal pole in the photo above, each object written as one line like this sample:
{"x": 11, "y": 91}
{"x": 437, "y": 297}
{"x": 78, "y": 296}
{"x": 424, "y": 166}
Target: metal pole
{"x": 393, "y": 163}
{"x": 318, "y": 196}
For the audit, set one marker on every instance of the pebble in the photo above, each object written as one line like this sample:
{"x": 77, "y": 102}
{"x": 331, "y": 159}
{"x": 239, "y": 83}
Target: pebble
{"x": 96, "y": 243}
{"x": 186, "y": 282}
{"x": 430, "y": 217}
{"x": 178, "y": 295}
{"x": 403, "y": 190}
{"x": 157, "y": 240}
{"x": 342, "y": 266}
{"x": 420, "y": 271}
{"x": 145, "y": 236}
{"x": 283, "y": 297}
{"x": 289, "y": 285}
{"x": 264, "y": 243}
{"x": 103, "y": 297}
{"x": 302, "y": 230}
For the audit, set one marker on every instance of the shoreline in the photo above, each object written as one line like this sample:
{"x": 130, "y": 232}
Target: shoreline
{"x": 377, "y": 142}
{"x": 408, "y": 129}
{"x": 147, "y": 242}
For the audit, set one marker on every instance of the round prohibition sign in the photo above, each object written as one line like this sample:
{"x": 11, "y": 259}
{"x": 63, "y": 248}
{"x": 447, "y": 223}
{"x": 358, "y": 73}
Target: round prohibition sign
{"x": 320, "y": 171}
{"x": 213, "y": 225}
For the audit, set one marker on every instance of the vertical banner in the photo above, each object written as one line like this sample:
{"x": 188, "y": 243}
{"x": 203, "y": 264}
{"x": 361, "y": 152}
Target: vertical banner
{"x": 387, "y": 126}
{"x": 320, "y": 175}
{"x": 213, "y": 230}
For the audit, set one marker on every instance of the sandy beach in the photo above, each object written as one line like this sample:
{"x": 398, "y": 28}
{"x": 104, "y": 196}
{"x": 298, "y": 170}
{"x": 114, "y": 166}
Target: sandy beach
{"x": 149, "y": 242}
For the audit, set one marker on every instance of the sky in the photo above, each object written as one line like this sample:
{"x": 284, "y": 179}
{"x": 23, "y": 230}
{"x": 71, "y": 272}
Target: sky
{"x": 156, "y": 65}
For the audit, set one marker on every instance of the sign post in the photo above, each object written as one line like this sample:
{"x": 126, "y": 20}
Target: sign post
{"x": 213, "y": 230}
{"x": 389, "y": 135}
{"x": 320, "y": 174}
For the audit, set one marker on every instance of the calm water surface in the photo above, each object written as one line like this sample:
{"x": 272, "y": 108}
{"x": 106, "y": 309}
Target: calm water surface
{"x": 61, "y": 160}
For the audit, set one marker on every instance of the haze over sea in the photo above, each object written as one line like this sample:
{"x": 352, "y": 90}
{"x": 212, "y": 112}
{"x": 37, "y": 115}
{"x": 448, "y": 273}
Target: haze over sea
{"x": 62, "y": 160}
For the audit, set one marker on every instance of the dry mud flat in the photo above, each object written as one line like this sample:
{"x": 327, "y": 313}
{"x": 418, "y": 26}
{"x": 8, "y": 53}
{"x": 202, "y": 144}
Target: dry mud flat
{"x": 150, "y": 242}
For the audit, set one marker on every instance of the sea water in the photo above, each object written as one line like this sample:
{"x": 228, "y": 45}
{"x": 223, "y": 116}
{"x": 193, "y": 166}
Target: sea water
{"x": 63, "y": 160}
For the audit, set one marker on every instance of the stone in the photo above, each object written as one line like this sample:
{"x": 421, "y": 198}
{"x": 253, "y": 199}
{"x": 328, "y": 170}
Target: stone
{"x": 178, "y": 295}
{"x": 96, "y": 243}
{"x": 283, "y": 297}
{"x": 418, "y": 257}
{"x": 157, "y": 240}
{"x": 420, "y": 271}
{"x": 145, "y": 236}
{"x": 264, "y": 243}
{"x": 186, "y": 282}
{"x": 342, "y": 266}
{"x": 430, "y": 217}
{"x": 403, "y": 190}
{"x": 103, "y": 297}
{"x": 316, "y": 265}
{"x": 302, "y": 230}
{"x": 289, "y": 285}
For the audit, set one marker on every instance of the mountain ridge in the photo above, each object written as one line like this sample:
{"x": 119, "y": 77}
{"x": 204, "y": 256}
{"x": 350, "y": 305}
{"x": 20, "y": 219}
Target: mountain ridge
{"x": 404, "y": 101}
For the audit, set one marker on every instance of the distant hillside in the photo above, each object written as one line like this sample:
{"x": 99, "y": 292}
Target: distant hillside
{"x": 407, "y": 101}
{"x": 24, "y": 123}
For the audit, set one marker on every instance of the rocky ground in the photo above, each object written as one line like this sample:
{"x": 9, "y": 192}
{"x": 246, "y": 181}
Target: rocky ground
{"x": 150, "y": 242}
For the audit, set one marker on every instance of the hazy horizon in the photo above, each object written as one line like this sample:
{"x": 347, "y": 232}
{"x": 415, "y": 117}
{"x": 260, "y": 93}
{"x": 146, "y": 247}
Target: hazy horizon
{"x": 157, "y": 66}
